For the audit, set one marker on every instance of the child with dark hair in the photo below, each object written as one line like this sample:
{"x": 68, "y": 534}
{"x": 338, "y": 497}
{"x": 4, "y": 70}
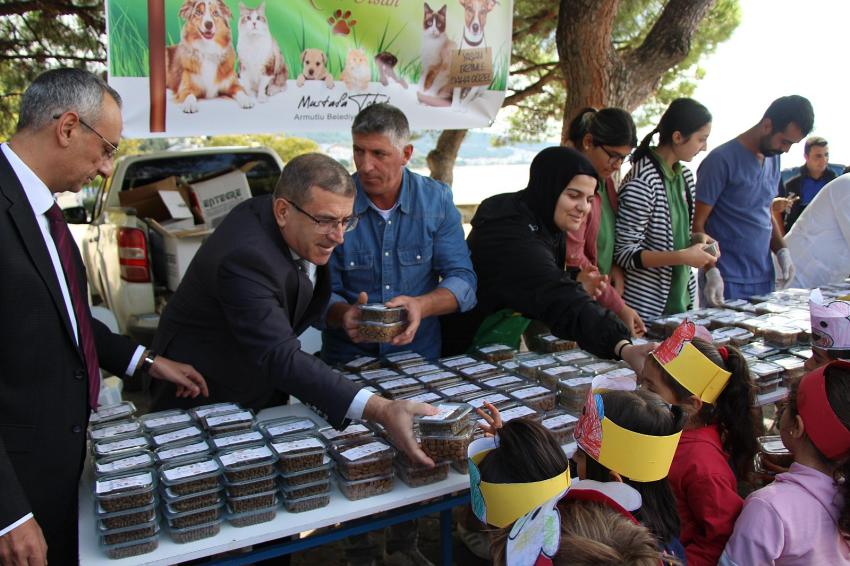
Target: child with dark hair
{"x": 630, "y": 437}
{"x": 830, "y": 330}
{"x": 803, "y": 517}
{"x": 713, "y": 386}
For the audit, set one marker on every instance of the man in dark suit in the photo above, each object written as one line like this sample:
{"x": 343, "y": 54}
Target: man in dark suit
{"x": 259, "y": 281}
{"x": 50, "y": 347}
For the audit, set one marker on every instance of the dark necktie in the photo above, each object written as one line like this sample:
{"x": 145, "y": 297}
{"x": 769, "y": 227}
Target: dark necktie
{"x": 65, "y": 246}
{"x": 304, "y": 268}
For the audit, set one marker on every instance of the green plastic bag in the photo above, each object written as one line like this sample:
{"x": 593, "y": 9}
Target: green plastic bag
{"x": 502, "y": 327}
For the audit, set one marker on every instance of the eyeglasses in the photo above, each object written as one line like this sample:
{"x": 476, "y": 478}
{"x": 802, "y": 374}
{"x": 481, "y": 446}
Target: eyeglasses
{"x": 328, "y": 225}
{"x": 614, "y": 159}
{"x": 109, "y": 150}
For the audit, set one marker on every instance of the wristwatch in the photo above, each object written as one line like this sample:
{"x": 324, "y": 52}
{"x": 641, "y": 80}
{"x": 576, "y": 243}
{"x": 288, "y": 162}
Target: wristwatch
{"x": 147, "y": 361}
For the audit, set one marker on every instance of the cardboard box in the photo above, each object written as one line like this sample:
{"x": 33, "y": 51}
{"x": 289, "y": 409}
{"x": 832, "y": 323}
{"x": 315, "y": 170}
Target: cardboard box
{"x": 163, "y": 200}
{"x": 219, "y": 195}
{"x": 180, "y": 245}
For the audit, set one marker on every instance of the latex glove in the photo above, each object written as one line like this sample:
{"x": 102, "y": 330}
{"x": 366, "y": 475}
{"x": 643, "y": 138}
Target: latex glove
{"x": 713, "y": 287}
{"x": 786, "y": 268}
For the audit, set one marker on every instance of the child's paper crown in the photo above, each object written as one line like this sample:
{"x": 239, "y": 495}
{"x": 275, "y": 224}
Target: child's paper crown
{"x": 830, "y": 322}
{"x": 500, "y": 504}
{"x": 690, "y": 367}
{"x": 639, "y": 457}
{"x": 823, "y": 427}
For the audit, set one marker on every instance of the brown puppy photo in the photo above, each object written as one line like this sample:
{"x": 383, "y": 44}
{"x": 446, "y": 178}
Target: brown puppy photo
{"x": 314, "y": 67}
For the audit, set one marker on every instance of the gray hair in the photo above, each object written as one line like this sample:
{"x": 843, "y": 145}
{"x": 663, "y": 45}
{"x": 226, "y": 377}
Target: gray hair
{"x": 384, "y": 119}
{"x": 57, "y": 91}
{"x": 312, "y": 169}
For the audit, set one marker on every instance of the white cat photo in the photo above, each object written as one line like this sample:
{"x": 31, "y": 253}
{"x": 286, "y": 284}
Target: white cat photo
{"x": 262, "y": 69}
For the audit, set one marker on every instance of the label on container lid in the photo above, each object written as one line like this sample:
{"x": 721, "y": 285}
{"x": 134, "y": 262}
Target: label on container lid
{"x": 229, "y": 418}
{"x": 204, "y": 411}
{"x": 120, "y": 409}
{"x": 443, "y": 412}
{"x": 402, "y": 357}
{"x": 537, "y": 362}
{"x": 498, "y": 381}
{"x": 106, "y": 485}
{"x": 169, "y": 420}
{"x": 556, "y": 371}
{"x": 460, "y": 389}
{"x": 619, "y": 372}
{"x": 480, "y": 368}
{"x": 114, "y": 430}
{"x": 458, "y": 361}
{"x": 577, "y": 381}
{"x": 774, "y": 447}
{"x": 424, "y": 368}
{"x": 176, "y": 435}
{"x": 360, "y": 362}
{"x": 250, "y": 436}
{"x": 494, "y": 348}
{"x": 438, "y": 376}
{"x": 550, "y": 338}
{"x": 599, "y": 366}
{"x": 790, "y": 362}
{"x": 300, "y": 444}
{"x": 510, "y": 364}
{"x": 331, "y": 433}
{"x": 189, "y": 470}
{"x": 364, "y": 450}
{"x": 378, "y": 373}
{"x": 183, "y": 450}
{"x": 245, "y": 455}
{"x": 492, "y": 398}
{"x": 123, "y": 463}
{"x": 516, "y": 412}
{"x": 122, "y": 444}
{"x": 559, "y": 421}
{"x": 765, "y": 368}
{"x": 426, "y": 397}
{"x": 571, "y": 356}
{"x": 286, "y": 428}
{"x": 398, "y": 383}
{"x": 529, "y": 392}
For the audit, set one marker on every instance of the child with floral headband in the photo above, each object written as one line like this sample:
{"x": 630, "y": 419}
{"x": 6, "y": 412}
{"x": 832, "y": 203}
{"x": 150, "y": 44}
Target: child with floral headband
{"x": 803, "y": 517}
{"x": 713, "y": 386}
{"x": 830, "y": 330}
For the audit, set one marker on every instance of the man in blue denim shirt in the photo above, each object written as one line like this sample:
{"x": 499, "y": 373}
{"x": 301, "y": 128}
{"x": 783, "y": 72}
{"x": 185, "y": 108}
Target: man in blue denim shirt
{"x": 408, "y": 249}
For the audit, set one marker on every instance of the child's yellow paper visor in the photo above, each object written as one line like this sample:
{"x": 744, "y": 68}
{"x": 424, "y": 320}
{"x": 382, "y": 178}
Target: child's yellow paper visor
{"x": 639, "y": 457}
{"x": 697, "y": 373}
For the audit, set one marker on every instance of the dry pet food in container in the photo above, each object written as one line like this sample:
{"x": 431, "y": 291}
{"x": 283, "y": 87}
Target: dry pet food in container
{"x": 455, "y": 362}
{"x": 367, "y": 487}
{"x": 454, "y": 392}
{"x": 163, "y": 420}
{"x": 113, "y": 429}
{"x": 180, "y": 450}
{"x": 132, "y": 548}
{"x": 394, "y": 388}
{"x": 494, "y": 352}
{"x": 191, "y": 475}
{"x": 166, "y": 436}
{"x": 127, "y": 534}
{"x": 249, "y": 518}
{"x": 376, "y": 312}
{"x": 504, "y": 382}
{"x": 193, "y": 501}
{"x": 309, "y": 503}
{"x": 440, "y": 447}
{"x": 495, "y": 398}
{"x": 286, "y": 426}
{"x": 550, "y": 343}
{"x": 118, "y": 411}
{"x": 220, "y": 423}
{"x": 115, "y": 446}
{"x": 319, "y": 473}
{"x": 198, "y": 532}
{"x": 450, "y": 419}
{"x": 238, "y": 438}
{"x": 416, "y": 476}
{"x": 439, "y": 379}
{"x": 130, "y": 490}
{"x": 354, "y": 430}
{"x": 561, "y": 424}
{"x": 405, "y": 358}
{"x": 380, "y": 331}
{"x": 199, "y": 413}
{"x": 362, "y": 458}
{"x": 125, "y": 518}
{"x": 551, "y": 376}
{"x": 423, "y": 397}
{"x": 530, "y": 367}
{"x": 537, "y": 397}
{"x": 363, "y": 363}
{"x": 247, "y": 463}
{"x": 125, "y": 462}
{"x": 774, "y": 451}
{"x": 299, "y": 453}
{"x": 192, "y": 518}
{"x": 479, "y": 371}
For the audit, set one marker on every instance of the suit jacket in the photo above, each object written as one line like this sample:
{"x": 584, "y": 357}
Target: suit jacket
{"x": 43, "y": 382}
{"x": 236, "y": 317}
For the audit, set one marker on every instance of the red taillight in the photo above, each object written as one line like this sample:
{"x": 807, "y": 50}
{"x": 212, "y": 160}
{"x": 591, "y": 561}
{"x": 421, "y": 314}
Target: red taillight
{"x": 133, "y": 255}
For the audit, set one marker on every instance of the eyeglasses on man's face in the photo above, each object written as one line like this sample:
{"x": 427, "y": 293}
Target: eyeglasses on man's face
{"x": 614, "y": 159}
{"x": 109, "y": 148}
{"x": 329, "y": 225}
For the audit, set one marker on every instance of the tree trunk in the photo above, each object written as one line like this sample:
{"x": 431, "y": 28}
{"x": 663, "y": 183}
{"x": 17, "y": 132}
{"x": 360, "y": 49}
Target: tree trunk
{"x": 441, "y": 159}
{"x": 597, "y": 74}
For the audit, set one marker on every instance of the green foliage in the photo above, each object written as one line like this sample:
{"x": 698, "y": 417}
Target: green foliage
{"x": 285, "y": 147}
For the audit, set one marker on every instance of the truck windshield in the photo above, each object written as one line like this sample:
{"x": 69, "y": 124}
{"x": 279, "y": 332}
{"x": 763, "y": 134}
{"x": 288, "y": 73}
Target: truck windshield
{"x": 262, "y": 177}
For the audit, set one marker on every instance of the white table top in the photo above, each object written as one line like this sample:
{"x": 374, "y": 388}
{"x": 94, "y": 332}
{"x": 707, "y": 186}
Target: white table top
{"x": 285, "y": 524}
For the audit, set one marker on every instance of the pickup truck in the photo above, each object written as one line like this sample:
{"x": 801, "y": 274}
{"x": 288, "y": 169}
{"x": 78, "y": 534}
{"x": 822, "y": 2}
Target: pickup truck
{"x": 123, "y": 257}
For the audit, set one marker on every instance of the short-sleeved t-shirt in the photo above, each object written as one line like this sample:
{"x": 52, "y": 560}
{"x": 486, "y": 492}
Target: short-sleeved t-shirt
{"x": 740, "y": 190}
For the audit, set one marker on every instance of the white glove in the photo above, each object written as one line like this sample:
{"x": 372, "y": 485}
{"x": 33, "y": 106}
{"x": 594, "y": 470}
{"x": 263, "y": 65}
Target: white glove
{"x": 713, "y": 287}
{"x": 786, "y": 268}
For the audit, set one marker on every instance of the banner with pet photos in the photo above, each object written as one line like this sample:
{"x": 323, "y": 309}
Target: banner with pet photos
{"x": 205, "y": 67}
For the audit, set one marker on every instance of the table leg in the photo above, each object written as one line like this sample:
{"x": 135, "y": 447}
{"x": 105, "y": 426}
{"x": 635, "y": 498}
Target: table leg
{"x": 446, "y": 539}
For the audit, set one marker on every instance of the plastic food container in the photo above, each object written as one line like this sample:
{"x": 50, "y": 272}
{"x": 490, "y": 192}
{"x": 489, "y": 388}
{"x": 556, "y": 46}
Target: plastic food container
{"x": 780, "y": 336}
{"x": 125, "y": 518}
{"x": 249, "y": 518}
{"x": 180, "y": 450}
{"x": 286, "y": 426}
{"x": 114, "y": 446}
{"x": 191, "y": 475}
{"x": 453, "y": 392}
{"x": 307, "y": 489}
{"x": 128, "y": 534}
{"x": 529, "y": 368}
{"x": 362, "y": 458}
{"x": 497, "y": 399}
{"x": 720, "y": 339}
{"x": 299, "y": 453}
{"x": 107, "y": 413}
{"x": 198, "y": 532}
{"x": 439, "y": 379}
{"x": 441, "y": 447}
{"x": 451, "y": 419}
{"x": 247, "y": 463}
{"x": 165, "y": 436}
{"x": 309, "y": 503}
{"x": 254, "y": 501}
{"x": 133, "y": 548}
{"x": 794, "y": 367}
{"x": 204, "y": 410}
{"x": 130, "y": 490}
{"x": 377, "y": 375}
{"x": 220, "y": 423}
{"x": 551, "y": 376}
{"x": 767, "y": 386}
{"x": 366, "y": 487}
{"x": 194, "y": 501}
{"x": 765, "y": 371}
{"x": 192, "y": 518}
{"x": 494, "y": 352}
{"x": 114, "y": 429}
{"x": 319, "y": 473}
{"x": 376, "y": 312}
{"x": 510, "y": 366}
{"x": 550, "y": 343}
{"x": 362, "y": 363}
{"x": 774, "y": 451}
{"x": 403, "y": 359}
{"x": 380, "y": 331}
{"x": 416, "y": 476}
{"x": 561, "y": 424}
{"x": 769, "y": 307}
{"x": 759, "y": 350}
{"x": 238, "y": 438}
{"x": 573, "y": 392}
{"x": 420, "y": 369}
{"x": 537, "y": 397}
{"x": 454, "y": 362}
{"x": 424, "y": 397}
{"x": 354, "y": 430}
{"x": 737, "y": 336}
{"x": 598, "y": 368}
{"x": 479, "y": 371}
{"x": 573, "y": 357}
{"x": 503, "y": 382}
{"x": 162, "y": 420}
{"x": 804, "y": 352}
{"x": 515, "y": 412}
{"x": 121, "y": 463}
{"x": 394, "y": 388}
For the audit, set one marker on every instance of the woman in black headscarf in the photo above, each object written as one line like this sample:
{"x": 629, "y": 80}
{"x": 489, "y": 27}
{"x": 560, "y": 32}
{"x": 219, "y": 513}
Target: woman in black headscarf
{"x": 518, "y": 248}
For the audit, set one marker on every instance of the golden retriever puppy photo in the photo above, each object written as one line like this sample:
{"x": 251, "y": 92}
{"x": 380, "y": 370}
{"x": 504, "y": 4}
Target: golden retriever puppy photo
{"x": 314, "y": 67}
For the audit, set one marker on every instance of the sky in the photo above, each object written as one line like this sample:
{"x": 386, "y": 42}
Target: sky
{"x": 782, "y": 47}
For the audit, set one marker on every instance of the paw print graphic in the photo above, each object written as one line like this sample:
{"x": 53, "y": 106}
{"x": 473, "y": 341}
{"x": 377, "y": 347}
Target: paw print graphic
{"x": 341, "y": 22}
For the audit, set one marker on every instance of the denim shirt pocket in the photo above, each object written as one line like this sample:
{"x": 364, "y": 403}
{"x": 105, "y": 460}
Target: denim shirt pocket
{"x": 357, "y": 268}
{"x": 416, "y": 270}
